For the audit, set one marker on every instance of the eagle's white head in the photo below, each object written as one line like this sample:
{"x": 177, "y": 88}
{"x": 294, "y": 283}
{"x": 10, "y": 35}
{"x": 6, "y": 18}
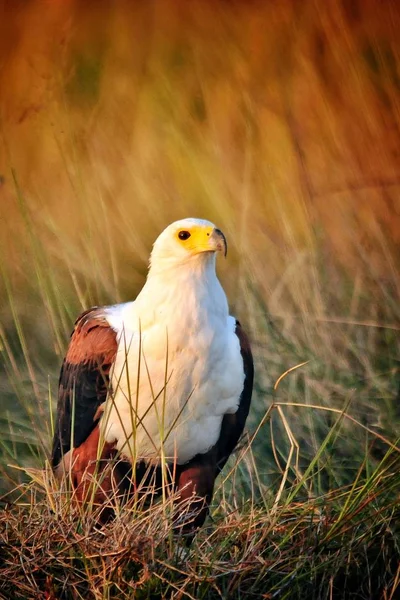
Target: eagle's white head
{"x": 187, "y": 241}
{"x": 182, "y": 282}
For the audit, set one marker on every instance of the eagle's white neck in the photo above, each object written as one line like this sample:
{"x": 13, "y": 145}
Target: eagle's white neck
{"x": 174, "y": 290}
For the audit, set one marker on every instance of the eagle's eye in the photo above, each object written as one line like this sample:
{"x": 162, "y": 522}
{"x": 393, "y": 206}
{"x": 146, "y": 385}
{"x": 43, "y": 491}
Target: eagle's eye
{"x": 184, "y": 235}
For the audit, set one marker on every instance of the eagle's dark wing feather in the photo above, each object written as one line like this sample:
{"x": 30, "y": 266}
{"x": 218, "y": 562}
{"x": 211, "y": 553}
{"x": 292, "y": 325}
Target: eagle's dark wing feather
{"x": 84, "y": 381}
{"x": 233, "y": 425}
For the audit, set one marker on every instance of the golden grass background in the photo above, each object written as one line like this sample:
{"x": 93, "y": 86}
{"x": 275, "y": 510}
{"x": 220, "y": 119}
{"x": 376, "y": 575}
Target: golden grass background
{"x": 276, "y": 119}
{"x": 279, "y": 121}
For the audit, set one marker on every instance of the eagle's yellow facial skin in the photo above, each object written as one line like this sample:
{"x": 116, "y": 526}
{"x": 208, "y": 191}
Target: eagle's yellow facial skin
{"x": 198, "y": 238}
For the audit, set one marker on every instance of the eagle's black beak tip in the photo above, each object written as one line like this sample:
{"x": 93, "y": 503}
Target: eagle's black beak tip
{"x": 219, "y": 232}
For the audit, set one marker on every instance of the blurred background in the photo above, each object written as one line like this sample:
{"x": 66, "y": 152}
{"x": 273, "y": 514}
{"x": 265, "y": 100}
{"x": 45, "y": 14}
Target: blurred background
{"x": 278, "y": 121}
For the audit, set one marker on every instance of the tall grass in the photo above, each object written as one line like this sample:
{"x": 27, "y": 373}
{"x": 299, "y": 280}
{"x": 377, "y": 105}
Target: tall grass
{"x": 280, "y": 124}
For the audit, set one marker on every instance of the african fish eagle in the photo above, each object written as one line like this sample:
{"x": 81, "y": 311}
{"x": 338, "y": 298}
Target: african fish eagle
{"x": 168, "y": 377}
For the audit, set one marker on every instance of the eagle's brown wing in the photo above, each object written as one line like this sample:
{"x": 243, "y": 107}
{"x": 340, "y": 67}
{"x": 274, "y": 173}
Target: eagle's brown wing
{"x": 84, "y": 381}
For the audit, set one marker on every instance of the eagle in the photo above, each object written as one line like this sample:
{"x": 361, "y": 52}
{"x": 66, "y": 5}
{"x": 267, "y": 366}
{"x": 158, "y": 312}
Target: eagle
{"x": 163, "y": 380}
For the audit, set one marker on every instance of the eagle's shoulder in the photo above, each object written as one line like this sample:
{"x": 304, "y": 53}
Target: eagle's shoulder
{"x": 244, "y": 341}
{"x": 93, "y": 337}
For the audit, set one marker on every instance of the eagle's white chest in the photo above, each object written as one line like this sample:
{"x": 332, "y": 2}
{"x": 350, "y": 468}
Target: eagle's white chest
{"x": 178, "y": 371}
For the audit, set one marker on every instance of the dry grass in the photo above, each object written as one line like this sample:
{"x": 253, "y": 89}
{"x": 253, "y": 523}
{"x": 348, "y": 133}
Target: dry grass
{"x": 344, "y": 544}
